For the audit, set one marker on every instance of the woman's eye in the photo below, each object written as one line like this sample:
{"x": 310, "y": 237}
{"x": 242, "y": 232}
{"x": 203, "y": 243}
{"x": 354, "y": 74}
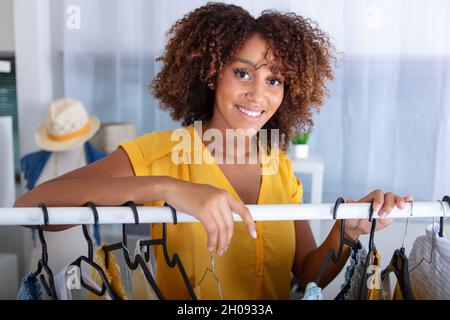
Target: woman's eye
{"x": 274, "y": 82}
{"x": 242, "y": 74}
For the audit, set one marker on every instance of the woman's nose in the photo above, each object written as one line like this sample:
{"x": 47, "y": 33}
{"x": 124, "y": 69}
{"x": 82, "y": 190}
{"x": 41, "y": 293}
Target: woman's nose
{"x": 255, "y": 94}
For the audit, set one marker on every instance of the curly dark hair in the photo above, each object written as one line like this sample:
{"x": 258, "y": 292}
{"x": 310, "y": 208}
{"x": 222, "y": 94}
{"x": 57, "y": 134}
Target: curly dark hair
{"x": 205, "y": 39}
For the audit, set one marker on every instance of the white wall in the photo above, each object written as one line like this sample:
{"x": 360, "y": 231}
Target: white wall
{"x": 30, "y": 30}
{"x": 38, "y": 64}
{"x": 38, "y": 38}
{"x": 6, "y": 26}
{"x": 11, "y": 236}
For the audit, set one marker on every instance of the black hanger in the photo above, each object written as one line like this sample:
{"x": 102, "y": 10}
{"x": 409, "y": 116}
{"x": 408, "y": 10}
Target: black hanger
{"x": 372, "y": 228}
{"x": 372, "y": 248}
{"x": 441, "y": 219}
{"x": 355, "y": 245}
{"x": 49, "y": 287}
{"x": 331, "y": 255}
{"x": 139, "y": 260}
{"x": 400, "y": 267}
{"x": 175, "y": 261}
{"x": 106, "y": 286}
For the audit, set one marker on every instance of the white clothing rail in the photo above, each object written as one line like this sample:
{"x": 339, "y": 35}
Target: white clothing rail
{"x": 266, "y": 212}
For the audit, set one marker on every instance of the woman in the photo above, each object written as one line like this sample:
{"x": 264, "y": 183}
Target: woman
{"x": 231, "y": 72}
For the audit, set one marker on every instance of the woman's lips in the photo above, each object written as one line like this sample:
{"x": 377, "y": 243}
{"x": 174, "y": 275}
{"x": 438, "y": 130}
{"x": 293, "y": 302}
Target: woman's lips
{"x": 249, "y": 114}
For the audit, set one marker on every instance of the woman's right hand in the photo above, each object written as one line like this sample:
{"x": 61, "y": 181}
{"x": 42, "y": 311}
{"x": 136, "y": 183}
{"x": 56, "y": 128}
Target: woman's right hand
{"x": 213, "y": 207}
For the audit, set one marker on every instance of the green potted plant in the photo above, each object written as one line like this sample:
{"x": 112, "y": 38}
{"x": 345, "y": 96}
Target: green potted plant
{"x": 300, "y": 142}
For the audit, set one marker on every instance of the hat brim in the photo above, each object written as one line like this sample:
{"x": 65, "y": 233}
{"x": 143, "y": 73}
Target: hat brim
{"x": 45, "y": 143}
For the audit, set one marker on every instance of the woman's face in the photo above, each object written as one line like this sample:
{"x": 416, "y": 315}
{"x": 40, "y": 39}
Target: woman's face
{"x": 247, "y": 92}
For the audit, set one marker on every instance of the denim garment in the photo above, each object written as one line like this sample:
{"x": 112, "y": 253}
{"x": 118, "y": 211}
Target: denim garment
{"x": 312, "y": 292}
{"x": 30, "y": 289}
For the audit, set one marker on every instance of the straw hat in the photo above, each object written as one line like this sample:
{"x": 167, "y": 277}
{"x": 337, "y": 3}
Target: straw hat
{"x": 68, "y": 125}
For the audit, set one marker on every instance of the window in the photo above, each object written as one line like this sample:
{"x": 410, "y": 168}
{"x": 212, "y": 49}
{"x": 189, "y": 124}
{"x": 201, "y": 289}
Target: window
{"x": 8, "y": 107}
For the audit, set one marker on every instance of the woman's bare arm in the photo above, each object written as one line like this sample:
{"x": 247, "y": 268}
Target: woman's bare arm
{"x": 109, "y": 181}
{"x": 309, "y": 258}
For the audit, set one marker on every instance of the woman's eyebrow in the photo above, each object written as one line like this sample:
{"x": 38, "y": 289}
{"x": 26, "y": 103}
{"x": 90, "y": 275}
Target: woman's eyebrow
{"x": 246, "y": 61}
{"x": 251, "y": 63}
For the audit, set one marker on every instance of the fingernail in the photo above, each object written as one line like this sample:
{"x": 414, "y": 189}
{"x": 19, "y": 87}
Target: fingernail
{"x": 376, "y": 207}
{"x": 382, "y": 215}
{"x": 402, "y": 204}
{"x": 220, "y": 252}
{"x": 254, "y": 234}
{"x": 211, "y": 249}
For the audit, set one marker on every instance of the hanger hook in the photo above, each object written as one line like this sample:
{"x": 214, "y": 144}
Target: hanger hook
{"x": 372, "y": 229}
{"x": 96, "y": 222}
{"x": 133, "y": 208}
{"x": 174, "y": 212}
{"x": 85, "y": 231}
{"x": 342, "y": 240}
{"x": 94, "y": 211}
{"x": 338, "y": 202}
{"x": 44, "y": 213}
{"x": 441, "y": 219}
{"x": 371, "y": 210}
{"x": 406, "y": 226}
{"x": 446, "y": 199}
{"x": 404, "y": 235}
{"x": 41, "y": 233}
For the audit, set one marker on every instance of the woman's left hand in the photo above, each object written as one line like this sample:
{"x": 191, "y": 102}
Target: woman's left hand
{"x": 383, "y": 204}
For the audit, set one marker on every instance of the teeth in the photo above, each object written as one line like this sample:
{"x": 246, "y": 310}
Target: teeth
{"x": 250, "y": 113}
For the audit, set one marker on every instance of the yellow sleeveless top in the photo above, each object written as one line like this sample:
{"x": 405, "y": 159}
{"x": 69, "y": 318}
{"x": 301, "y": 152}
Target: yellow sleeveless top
{"x": 249, "y": 269}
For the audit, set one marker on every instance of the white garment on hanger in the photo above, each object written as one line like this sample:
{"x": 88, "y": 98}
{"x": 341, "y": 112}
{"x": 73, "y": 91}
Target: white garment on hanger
{"x": 63, "y": 292}
{"x": 60, "y": 163}
{"x": 142, "y": 290}
{"x": 430, "y": 281}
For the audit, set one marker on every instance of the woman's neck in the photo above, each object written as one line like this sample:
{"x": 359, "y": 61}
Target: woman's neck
{"x": 233, "y": 146}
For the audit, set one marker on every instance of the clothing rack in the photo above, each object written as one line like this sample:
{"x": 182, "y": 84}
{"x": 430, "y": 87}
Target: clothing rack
{"x": 265, "y": 212}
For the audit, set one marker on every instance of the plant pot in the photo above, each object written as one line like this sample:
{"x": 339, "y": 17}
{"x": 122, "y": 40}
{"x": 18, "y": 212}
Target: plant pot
{"x": 301, "y": 151}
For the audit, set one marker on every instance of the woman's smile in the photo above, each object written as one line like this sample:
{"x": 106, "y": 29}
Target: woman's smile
{"x": 248, "y": 113}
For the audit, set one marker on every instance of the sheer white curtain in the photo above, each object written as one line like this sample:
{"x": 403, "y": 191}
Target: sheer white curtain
{"x": 109, "y": 60}
{"x": 386, "y": 123}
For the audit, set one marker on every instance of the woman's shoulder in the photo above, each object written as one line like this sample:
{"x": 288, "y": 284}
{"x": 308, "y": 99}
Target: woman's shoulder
{"x": 275, "y": 161}
{"x": 289, "y": 179}
{"x": 154, "y": 145}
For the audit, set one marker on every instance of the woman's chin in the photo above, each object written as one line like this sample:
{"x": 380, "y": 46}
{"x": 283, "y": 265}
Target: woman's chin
{"x": 247, "y": 130}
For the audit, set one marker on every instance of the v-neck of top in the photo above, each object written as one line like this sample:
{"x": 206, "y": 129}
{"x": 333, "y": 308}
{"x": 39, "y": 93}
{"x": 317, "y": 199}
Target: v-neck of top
{"x": 221, "y": 175}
